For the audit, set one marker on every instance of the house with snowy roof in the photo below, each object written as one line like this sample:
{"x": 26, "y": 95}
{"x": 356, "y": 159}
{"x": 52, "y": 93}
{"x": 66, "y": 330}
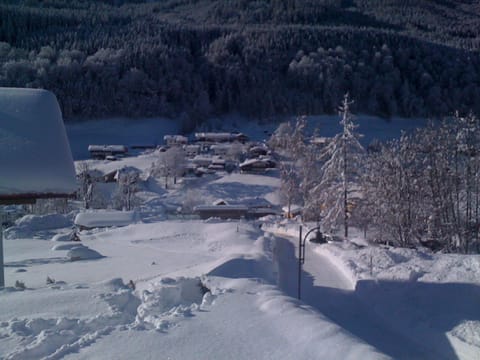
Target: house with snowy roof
{"x": 102, "y": 151}
{"x": 220, "y": 137}
{"x": 175, "y": 140}
{"x": 32, "y": 168}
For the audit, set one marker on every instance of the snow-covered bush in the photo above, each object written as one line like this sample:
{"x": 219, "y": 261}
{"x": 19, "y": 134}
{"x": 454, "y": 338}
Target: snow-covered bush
{"x": 82, "y": 253}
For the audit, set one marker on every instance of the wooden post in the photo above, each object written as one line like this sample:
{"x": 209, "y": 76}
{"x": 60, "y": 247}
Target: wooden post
{"x": 299, "y": 262}
{"x": 2, "y": 276}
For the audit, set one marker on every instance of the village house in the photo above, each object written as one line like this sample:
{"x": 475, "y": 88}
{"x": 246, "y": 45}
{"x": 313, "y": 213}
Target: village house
{"x": 191, "y": 150}
{"x": 221, "y": 209}
{"x": 220, "y": 149}
{"x": 102, "y": 151}
{"x": 175, "y": 140}
{"x": 258, "y": 164}
{"x": 212, "y": 137}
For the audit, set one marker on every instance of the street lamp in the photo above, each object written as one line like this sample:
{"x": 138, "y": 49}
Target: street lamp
{"x": 301, "y": 253}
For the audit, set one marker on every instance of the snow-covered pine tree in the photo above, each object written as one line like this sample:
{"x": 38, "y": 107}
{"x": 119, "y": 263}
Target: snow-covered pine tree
{"x": 342, "y": 161}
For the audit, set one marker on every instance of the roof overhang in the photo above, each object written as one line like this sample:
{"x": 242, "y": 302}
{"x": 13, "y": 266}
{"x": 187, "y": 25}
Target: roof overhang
{"x": 20, "y": 199}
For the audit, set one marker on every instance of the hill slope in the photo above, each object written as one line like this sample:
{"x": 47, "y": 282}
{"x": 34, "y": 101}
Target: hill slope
{"x": 261, "y": 58}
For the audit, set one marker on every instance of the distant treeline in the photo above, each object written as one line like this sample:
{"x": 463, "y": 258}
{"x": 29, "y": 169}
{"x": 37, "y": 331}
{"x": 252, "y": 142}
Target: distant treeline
{"x": 204, "y": 57}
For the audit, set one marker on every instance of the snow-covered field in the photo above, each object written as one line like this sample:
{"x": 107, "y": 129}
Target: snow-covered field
{"x": 189, "y": 289}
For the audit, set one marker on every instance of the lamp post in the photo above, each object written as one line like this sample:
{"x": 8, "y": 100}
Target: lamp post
{"x": 301, "y": 254}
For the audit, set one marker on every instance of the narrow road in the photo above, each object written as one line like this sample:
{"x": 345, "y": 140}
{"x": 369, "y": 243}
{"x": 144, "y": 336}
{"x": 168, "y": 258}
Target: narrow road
{"x": 325, "y": 288}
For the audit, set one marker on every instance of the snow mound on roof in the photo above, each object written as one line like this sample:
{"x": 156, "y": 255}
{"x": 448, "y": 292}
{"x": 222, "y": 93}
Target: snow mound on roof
{"x": 61, "y": 237}
{"x": 35, "y": 155}
{"x": 28, "y": 225}
{"x": 109, "y": 218}
{"x": 81, "y": 252}
{"x": 167, "y": 301}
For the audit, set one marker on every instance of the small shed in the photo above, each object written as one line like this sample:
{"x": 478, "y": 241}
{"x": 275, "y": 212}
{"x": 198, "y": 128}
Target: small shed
{"x": 100, "y": 219}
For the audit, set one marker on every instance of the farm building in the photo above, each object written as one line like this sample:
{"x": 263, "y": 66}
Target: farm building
{"x": 220, "y": 137}
{"x": 221, "y": 211}
{"x": 102, "y": 151}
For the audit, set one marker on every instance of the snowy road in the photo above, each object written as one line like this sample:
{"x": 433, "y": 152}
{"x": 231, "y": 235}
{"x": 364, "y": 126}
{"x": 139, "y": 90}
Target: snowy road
{"x": 326, "y": 289}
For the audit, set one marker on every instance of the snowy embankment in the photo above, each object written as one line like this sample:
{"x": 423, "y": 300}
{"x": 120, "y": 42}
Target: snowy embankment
{"x": 169, "y": 289}
{"x": 429, "y": 299}
{"x": 430, "y": 294}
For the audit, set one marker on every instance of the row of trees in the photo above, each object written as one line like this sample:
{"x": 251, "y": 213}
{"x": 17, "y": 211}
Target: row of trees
{"x": 426, "y": 186}
{"x": 423, "y": 188}
{"x": 138, "y": 59}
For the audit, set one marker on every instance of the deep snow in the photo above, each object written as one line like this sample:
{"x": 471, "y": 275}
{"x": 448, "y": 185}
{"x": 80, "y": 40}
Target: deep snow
{"x": 191, "y": 289}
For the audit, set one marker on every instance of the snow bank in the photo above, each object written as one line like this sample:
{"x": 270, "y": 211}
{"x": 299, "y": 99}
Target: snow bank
{"x": 167, "y": 301}
{"x": 325, "y": 339}
{"x": 81, "y": 252}
{"x": 388, "y": 263}
{"x": 28, "y": 225}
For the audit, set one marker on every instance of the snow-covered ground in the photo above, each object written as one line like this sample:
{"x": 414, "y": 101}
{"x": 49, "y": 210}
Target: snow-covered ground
{"x": 166, "y": 288}
{"x": 407, "y": 303}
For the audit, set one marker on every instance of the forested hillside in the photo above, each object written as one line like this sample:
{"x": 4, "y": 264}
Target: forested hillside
{"x": 196, "y": 58}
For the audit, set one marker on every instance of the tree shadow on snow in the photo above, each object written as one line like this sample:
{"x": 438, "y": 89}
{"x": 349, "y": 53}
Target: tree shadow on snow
{"x": 405, "y": 320}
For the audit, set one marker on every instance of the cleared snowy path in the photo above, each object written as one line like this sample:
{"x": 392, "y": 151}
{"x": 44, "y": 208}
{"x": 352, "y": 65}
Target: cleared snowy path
{"x": 325, "y": 288}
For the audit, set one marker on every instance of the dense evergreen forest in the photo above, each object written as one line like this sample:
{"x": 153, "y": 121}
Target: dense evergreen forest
{"x": 197, "y": 58}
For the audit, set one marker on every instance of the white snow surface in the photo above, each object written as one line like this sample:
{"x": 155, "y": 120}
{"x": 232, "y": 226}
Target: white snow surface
{"x": 35, "y": 155}
{"x": 190, "y": 289}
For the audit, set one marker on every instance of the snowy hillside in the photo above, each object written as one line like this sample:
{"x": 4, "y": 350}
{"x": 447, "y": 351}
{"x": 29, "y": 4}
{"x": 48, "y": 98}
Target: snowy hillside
{"x": 167, "y": 285}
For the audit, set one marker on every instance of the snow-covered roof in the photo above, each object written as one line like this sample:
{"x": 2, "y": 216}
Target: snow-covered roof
{"x": 35, "y": 155}
{"x": 176, "y": 138}
{"x": 220, "y": 208}
{"x": 95, "y": 219}
{"x": 293, "y": 208}
{"x": 107, "y": 148}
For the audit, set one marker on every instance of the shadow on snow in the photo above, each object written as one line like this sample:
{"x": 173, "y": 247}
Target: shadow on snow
{"x": 405, "y": 320}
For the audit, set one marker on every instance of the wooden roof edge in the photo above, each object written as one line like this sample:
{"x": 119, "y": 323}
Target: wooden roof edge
{"x": 30, "y": 198}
